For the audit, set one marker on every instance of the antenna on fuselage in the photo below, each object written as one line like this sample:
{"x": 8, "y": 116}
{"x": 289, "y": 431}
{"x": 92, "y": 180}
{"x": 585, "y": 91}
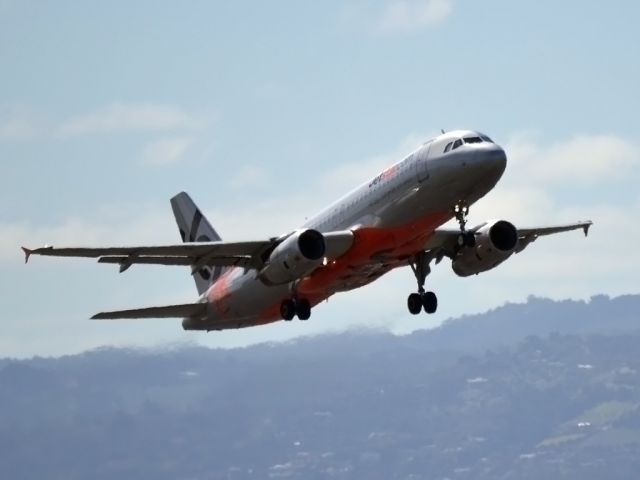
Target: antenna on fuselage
{"x": 442, "y": 130}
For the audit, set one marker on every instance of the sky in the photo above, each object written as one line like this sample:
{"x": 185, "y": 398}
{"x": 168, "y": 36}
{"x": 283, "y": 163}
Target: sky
{"x": 267, "y": 111}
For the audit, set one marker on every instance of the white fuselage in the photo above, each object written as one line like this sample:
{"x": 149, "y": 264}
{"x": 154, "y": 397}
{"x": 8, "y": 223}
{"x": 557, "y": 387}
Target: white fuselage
{"x": 392, "y": 215}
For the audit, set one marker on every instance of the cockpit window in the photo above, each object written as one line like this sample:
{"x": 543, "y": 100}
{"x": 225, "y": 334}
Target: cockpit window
{"x": 486, "y": 139}
{"x": 472, "y": 140}
{"x": 456, "y": 144}
{"x": 448, "y": 147}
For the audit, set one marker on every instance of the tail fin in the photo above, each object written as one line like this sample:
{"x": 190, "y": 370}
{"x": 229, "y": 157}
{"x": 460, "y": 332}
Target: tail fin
{"x": 194, "y": 227}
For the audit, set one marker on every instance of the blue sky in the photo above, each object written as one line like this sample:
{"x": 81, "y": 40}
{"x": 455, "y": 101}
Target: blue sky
{"x": 267, "y": 111}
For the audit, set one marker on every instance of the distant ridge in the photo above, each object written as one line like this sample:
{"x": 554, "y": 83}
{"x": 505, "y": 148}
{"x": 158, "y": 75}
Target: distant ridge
{"x": 542, "y": 389}
{"x": 511, "y": 323}
{"x": 502, "y": 326}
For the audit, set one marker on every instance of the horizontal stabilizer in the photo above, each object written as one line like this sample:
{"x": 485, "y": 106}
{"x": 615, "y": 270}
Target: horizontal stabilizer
{"x": 169, "y": 311}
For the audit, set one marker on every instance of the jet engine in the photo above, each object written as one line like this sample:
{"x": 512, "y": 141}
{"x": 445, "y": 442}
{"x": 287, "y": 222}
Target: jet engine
{"x": 495, "y": 242}
{"x": 297, "y": 255}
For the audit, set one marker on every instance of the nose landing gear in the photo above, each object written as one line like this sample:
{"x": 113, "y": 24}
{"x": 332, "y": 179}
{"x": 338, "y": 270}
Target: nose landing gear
{"x": 421, "y": 300}
{"x": 465, "y": 239}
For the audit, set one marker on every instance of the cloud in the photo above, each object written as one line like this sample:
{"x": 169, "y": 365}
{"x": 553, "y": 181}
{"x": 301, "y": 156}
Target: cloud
{"x": 250, "y": 176}
{"x": 541, "y": 176}
{"x": 116, "y": 226}
{"x": 166, "y": 151}
{"x": 583, "y": 159}
{"x": 19, "y": 125}
{"x": 518, "y": 204}
{"x": 121, "y": 117}
{"x": 411, "y": 15}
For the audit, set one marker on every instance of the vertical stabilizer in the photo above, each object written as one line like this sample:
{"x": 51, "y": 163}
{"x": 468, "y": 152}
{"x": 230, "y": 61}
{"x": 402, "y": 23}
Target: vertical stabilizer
{"x": 194, "y": 227}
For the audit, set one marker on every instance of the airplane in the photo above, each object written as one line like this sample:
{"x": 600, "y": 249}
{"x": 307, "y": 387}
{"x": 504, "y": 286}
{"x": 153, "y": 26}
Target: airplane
{"x": 392, "y": 220}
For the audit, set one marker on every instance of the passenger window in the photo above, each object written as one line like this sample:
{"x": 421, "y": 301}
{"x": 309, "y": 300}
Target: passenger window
{"x": 456, "y": 144}
{"x": 448, "y": 147}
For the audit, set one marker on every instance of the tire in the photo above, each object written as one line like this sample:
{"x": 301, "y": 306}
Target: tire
{"x": 430, "y": 302}
{"x": 287, "y": 310}
{"x": 303, "y": 308}
{"x": 466, "y": 240}
{"x": 414, "y": 303}
{"x": 470, "y": 240}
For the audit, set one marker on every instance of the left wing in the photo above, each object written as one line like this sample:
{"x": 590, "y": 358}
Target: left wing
{"x": 528, "y": 235}
{"x": 444, "y": 241}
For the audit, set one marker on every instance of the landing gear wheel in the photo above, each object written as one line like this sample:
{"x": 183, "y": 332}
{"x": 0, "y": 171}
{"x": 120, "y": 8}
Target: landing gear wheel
{"x": 303, "y": 308}
{"x": 287, "y": 310}
{"x": 470, "y": 240}
{"x": 466, "y": 239}
{"x": 429, "y": 302}
{"x": 421, "y": 300}
{"x": 414, "y": 303}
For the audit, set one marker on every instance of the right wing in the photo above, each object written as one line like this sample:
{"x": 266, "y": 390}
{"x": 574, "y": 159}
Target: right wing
{"x": 251, "y": 254}
{"x": 198, "y": 255}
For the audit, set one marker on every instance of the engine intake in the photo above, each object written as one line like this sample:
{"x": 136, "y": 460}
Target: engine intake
{"x": 495, "y": 242}
{"x": 503, "y": 235}
{"x": 296, "y": 256}
{"x": 311, "y": 244}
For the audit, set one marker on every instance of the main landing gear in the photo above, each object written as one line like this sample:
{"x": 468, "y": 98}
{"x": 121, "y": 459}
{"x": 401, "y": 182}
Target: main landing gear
{"x": 428, "y": 301}
{"x": 289, "y": 308}
{"x": 421, "y": 300}
{"x": 465, "y": 239}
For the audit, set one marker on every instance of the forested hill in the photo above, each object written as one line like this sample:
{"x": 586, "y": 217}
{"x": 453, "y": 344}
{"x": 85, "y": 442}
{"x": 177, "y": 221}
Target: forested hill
{"x": 537, "y": 390}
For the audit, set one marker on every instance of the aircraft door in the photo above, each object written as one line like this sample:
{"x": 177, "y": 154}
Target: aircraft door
{"x": 420, "y": 162}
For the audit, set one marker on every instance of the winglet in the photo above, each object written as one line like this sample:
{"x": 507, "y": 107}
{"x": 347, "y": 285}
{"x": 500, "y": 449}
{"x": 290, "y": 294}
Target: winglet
{"x": 586, "y": 227}
{"x": 27, "y": 253}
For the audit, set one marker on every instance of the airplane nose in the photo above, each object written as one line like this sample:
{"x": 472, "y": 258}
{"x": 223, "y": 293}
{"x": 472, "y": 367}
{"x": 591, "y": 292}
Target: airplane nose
{"x": 495, "y": 159}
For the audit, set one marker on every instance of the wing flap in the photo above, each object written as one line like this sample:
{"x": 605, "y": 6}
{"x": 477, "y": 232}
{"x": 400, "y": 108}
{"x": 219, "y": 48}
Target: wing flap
{"x": 239, "y": 260}
{"x": 169, "y": 311}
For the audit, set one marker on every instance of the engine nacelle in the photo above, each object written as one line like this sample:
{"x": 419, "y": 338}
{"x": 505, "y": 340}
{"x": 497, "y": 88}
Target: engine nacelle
{"x": 495, "y": 242}
{"x": 297, "y": 255}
